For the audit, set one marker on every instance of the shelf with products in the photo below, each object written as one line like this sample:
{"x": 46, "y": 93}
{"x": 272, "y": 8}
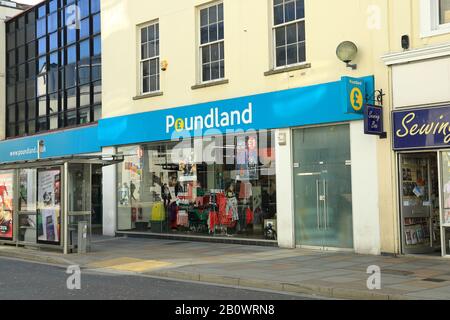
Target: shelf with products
{"x": 420, "y": 203}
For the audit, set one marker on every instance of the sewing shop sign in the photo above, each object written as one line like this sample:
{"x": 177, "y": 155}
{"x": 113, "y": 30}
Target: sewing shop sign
{"x": 423, "y": 128}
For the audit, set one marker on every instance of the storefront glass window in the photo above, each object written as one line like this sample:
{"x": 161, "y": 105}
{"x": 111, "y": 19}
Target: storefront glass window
{"x": 49, "y": 206}
{"x": 27, "y": 190}
{"x": 218, "y": 186}
{"x": 6, "y": 204}
{"x": 27, "y": 205}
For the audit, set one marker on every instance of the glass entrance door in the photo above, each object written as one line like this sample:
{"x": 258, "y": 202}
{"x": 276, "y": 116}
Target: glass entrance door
{"x": 78, "y": 200}
{"x": 322, "y": 187}
{"x": 419, "y": 189}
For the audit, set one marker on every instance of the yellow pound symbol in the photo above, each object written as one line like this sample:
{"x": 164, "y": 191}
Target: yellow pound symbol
{"x": 356, "y": 99}
{"x": 179, "y": 125}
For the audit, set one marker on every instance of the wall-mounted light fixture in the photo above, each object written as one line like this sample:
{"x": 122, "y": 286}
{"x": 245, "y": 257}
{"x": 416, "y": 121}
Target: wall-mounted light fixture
{"x": 346, "y": 52}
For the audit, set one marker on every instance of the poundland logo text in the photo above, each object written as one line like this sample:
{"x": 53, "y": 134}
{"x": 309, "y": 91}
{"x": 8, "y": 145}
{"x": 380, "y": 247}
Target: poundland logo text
{"x": 215, "y": 119}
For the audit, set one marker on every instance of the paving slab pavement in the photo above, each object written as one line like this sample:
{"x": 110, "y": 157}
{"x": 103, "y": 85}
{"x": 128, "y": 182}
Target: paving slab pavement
{"x": 327, "y": 274}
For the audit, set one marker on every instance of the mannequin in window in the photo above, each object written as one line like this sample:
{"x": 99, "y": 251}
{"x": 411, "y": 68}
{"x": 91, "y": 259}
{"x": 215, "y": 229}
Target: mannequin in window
{"x": 232, "y": 203}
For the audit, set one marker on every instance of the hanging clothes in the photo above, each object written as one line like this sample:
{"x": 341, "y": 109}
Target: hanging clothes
{"x": 232, "y": 206}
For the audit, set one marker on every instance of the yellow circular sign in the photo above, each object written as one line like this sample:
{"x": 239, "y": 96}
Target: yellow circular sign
{"x": 356, "y": 99}
{"x": 179, "y": 124}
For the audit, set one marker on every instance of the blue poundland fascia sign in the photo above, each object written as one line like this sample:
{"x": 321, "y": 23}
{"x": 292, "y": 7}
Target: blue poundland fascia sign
{"x": 59, "y": 144}
{"x": 421, "y": 128}
{"x": 318, "y": 104}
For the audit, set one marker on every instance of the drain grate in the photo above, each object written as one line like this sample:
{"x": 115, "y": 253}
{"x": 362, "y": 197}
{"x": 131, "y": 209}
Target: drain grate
{"x": 434, "y": 280}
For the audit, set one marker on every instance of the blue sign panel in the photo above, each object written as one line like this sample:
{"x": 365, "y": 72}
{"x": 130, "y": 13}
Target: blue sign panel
{"x": 316, "y": 104}
{"x": 354, "y": 93}
{"x": 422, "y": 128}
{"x": 373, "y": 120}
{"x": 58, "y": 144}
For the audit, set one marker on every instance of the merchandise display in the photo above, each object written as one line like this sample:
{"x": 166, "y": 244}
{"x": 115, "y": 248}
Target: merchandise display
{"x": 232, "y": 194}
{"x": 420, "y": 204}
{"x": 6, "y": 204}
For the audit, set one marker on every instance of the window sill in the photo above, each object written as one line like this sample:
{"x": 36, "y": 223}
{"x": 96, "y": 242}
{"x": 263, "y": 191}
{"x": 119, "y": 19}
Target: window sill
{"x": 434, "y": 32}
{"x": 288, "y": 69}
{"x": 148, "y": 95}
{"x": 210, "y": 84}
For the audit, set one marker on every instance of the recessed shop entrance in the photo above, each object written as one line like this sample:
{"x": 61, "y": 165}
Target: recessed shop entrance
{"x": 51, "y": 203}
{"x": 425, "y": 202}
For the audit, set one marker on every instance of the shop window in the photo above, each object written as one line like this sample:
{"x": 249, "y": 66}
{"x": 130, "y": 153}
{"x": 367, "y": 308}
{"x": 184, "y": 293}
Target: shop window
{"x": 7, "y": 212}
{"x": 215, "y": 186}
{"x": 289, "y": 32}
{"x": 149, "y": 62}
{"x": 49, "y": 206}
{"x": 212, "y": 43}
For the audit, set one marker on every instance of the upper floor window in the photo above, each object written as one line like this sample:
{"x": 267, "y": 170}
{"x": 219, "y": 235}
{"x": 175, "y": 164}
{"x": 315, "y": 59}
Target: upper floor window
{"x": 150, "y": 58}
{"x": 444, "y": 11}
{"x": 289, "y": 32}
{"x": 435, "y": 17}
{"x": 212, "y": 55}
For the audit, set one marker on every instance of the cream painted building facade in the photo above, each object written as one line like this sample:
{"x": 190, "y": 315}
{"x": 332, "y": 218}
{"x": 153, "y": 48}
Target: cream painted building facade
{"x": 167, "y": 65}
{"x": 418, "y": 62}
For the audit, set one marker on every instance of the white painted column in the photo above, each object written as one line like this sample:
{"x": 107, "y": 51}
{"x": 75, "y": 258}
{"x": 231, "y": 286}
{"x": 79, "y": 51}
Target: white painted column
{"x": 109, "y": 196}
{"x": 285, "y": 201}
{"x": 366, "y": 216}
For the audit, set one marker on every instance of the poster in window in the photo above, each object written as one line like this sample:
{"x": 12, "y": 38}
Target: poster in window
{"x": 6, "y": 204}
{"x": 247, "y": 157}
{"x": 27, "y": 190}
{"x": 49, "y": 194}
